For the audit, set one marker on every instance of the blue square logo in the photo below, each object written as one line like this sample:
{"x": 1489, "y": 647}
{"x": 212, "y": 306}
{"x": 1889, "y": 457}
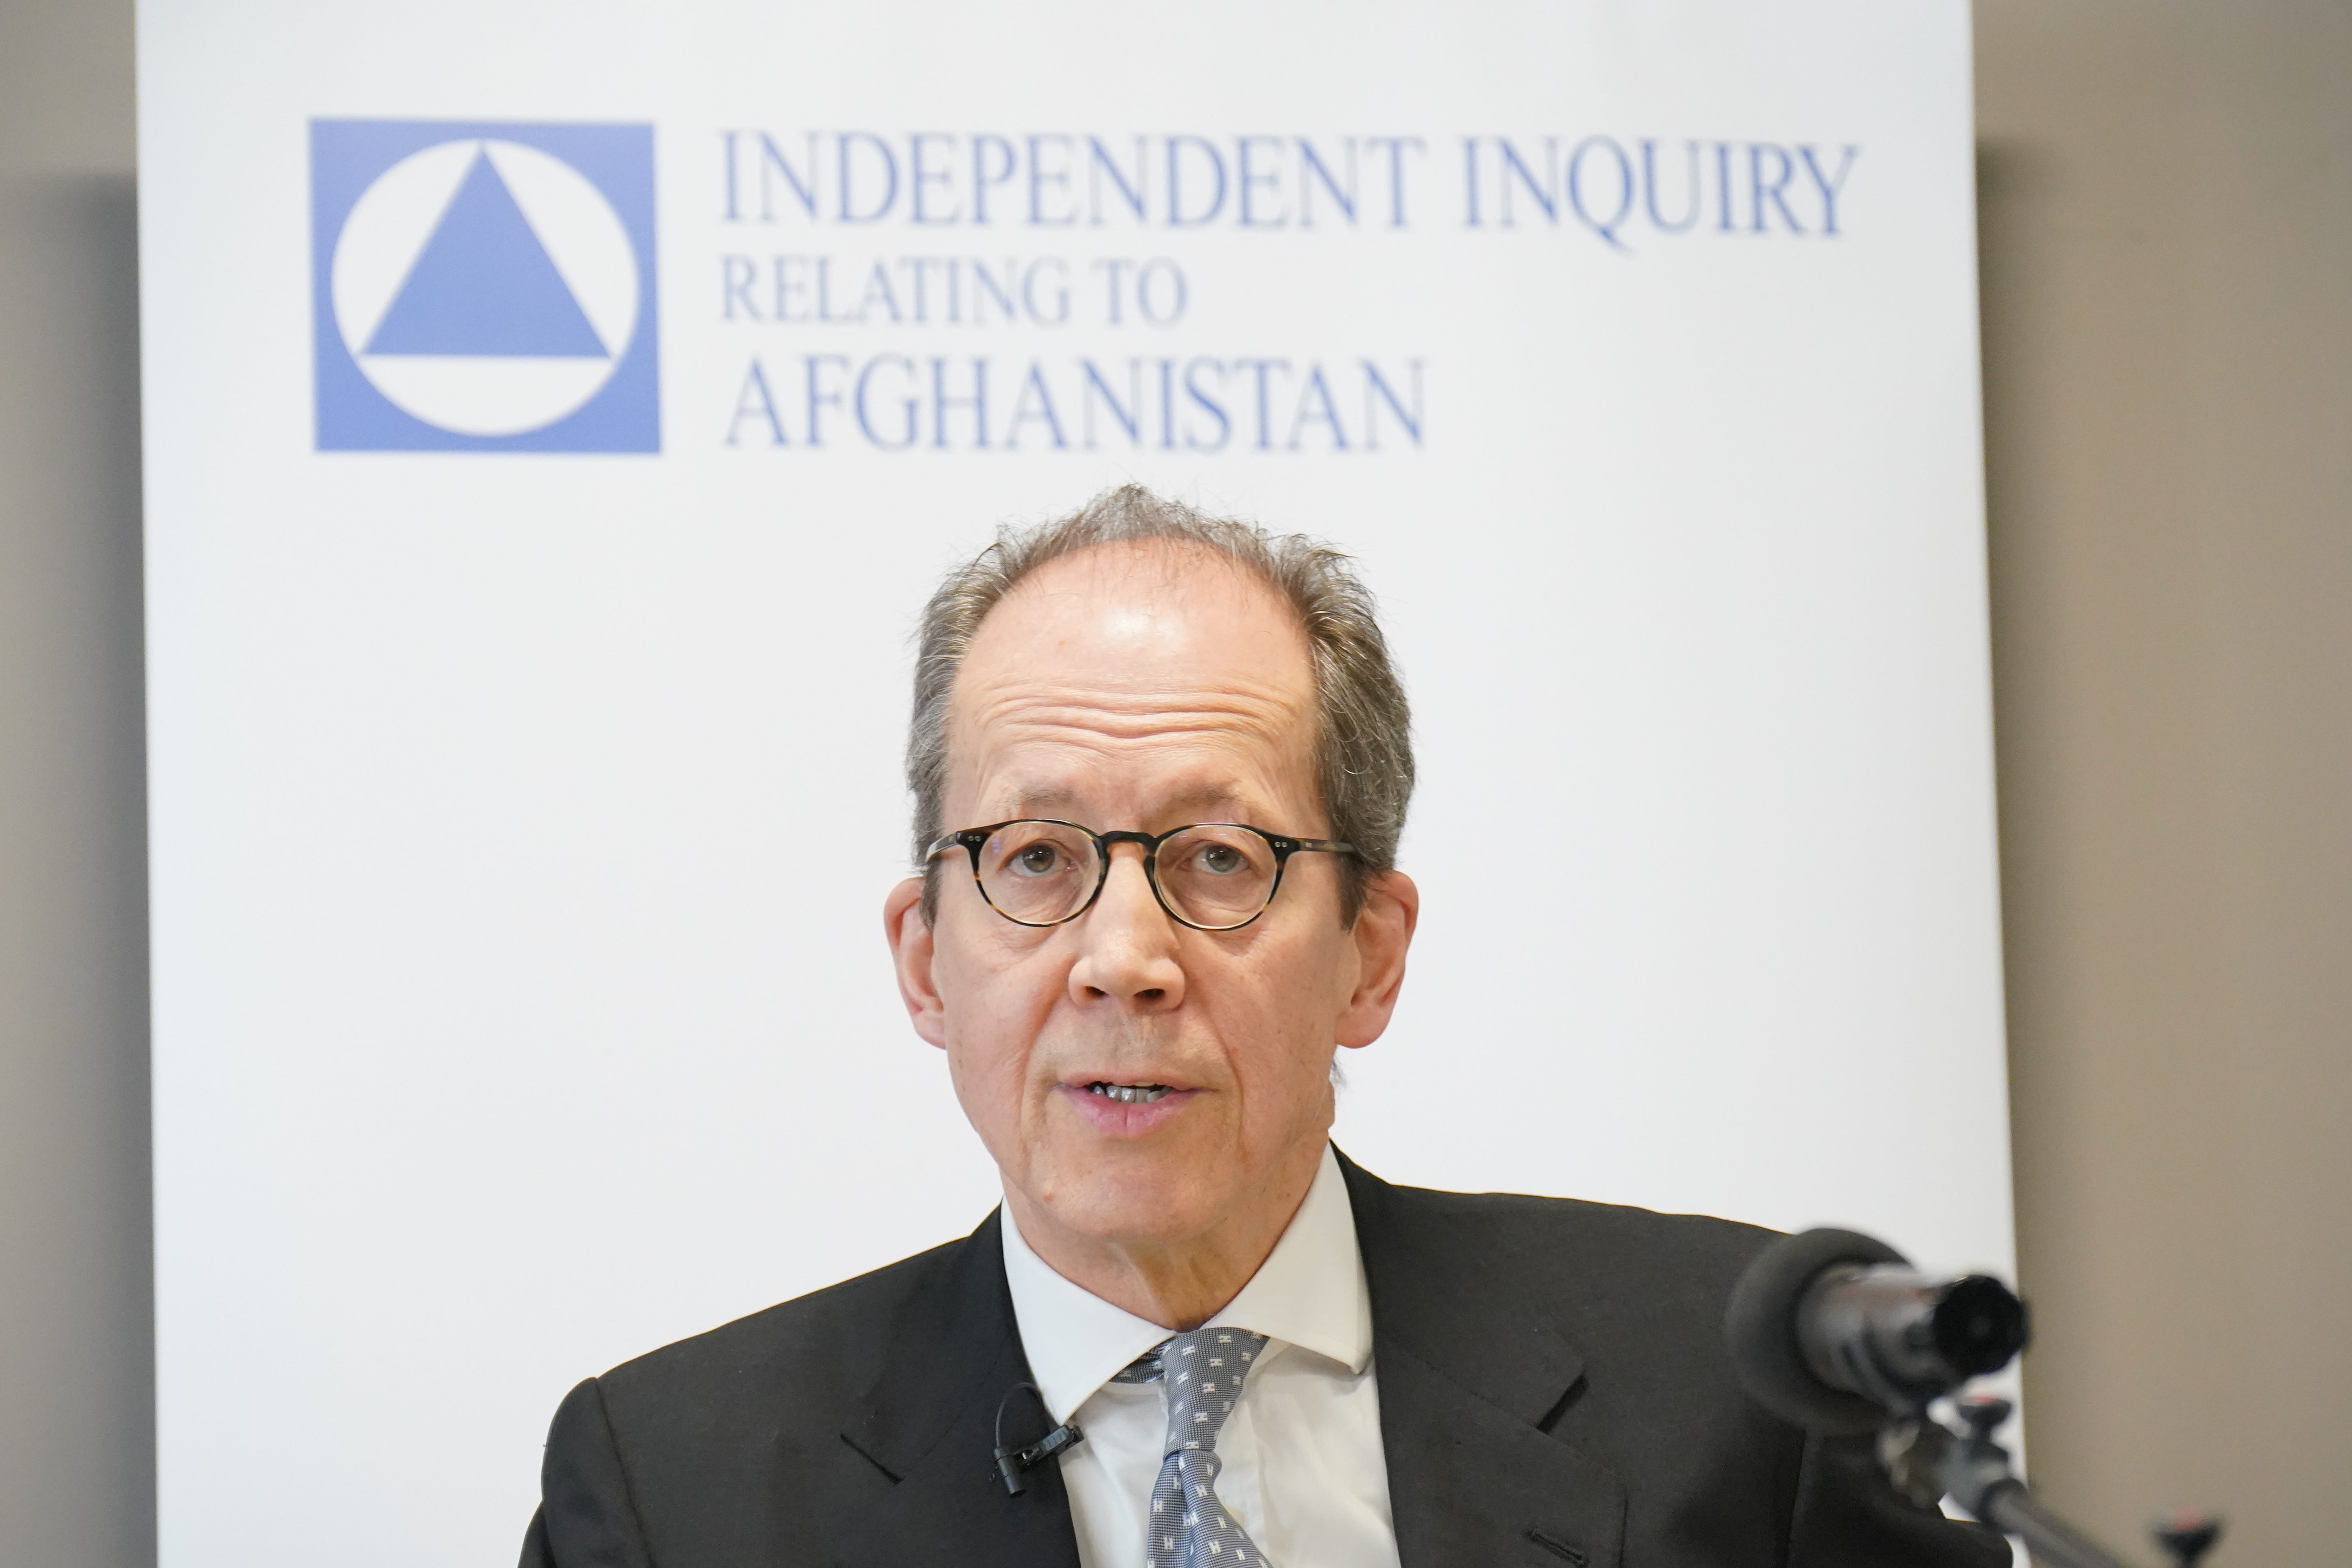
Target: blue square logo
{"x": 484, "y": 286}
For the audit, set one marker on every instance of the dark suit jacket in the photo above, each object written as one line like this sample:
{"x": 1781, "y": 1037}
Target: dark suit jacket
{"x": 1553, "y": 1388}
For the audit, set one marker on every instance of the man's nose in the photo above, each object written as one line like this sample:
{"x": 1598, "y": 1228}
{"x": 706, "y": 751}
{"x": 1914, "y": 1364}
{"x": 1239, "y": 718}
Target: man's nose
{"x": 1127, "y": 943}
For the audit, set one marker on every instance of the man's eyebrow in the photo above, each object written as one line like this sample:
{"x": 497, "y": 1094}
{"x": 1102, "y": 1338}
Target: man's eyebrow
{"x": 1044, "y": 802}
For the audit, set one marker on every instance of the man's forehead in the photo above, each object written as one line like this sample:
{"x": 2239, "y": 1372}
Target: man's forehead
{"x": 1146, "y": 617}
{"x": 1125, "y": 670}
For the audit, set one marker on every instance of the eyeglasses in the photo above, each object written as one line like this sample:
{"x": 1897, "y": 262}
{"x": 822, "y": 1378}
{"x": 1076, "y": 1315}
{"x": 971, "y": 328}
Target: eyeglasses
{"x": 1210, "y": 876}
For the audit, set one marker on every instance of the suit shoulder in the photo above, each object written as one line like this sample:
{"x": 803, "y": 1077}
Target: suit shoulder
{"x": 829, "y": 1339}
{"x": 691, "y": 1450}
{"x": 1637, "y": 1253}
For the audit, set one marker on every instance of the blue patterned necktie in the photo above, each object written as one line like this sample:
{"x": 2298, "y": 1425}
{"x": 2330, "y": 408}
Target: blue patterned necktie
{"x": 1203, "y": 1371}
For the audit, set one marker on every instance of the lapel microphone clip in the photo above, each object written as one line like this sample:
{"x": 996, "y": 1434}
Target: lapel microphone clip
{"x": 1012, "y": 1462}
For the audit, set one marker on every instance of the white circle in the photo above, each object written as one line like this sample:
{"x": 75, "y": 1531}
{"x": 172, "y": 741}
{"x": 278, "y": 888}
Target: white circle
{"x": 484, "y": 394}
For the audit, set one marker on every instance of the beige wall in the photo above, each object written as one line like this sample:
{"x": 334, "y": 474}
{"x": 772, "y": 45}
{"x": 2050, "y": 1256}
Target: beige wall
{"x": 2168, "y": 274}
{"x": 2167, "y": 241}
{"x": 76, "y": 1478}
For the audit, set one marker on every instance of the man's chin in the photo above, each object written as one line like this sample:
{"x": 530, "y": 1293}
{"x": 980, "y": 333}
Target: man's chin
{"x": 1130, "y": 1197}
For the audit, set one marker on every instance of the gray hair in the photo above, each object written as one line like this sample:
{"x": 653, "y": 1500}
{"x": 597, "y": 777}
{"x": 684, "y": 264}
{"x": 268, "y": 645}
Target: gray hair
{"x": 1363, "y": 742}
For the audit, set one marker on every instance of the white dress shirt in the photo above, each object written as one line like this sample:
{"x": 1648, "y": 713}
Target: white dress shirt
{"x": 1304, "y": 1470}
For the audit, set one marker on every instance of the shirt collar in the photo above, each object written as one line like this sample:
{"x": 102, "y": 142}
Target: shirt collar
{"x": 1309, "y": 1292}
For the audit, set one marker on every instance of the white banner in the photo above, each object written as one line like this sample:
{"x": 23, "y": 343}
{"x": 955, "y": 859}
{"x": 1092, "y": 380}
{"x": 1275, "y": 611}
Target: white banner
{"x": 556, "y": 416}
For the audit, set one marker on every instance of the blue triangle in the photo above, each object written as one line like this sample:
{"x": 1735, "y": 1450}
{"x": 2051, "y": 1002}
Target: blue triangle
{"x": 483, "y": 285}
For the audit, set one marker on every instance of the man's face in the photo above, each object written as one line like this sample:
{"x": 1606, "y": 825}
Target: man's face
{"x": 1144, "y": 686}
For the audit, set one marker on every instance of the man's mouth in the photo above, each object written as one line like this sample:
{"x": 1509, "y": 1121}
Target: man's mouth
{"x": 1129, "y": 1093}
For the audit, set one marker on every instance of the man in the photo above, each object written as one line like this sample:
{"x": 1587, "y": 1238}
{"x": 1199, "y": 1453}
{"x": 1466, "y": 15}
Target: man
{"x": 1161, "y": 764}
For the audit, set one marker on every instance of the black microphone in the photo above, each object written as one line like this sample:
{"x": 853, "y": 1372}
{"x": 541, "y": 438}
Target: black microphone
{"x": 1836, "y": 1332}
{"x": 1013, "y": 1463}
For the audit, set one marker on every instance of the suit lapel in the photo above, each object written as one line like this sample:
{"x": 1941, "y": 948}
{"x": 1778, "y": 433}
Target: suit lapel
{"x": 1471, "y": 1375}
{"x": 929, "y": 1424}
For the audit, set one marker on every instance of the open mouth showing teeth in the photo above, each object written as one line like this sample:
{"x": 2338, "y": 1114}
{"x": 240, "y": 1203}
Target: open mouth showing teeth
{"x": 1131, "y": 1093}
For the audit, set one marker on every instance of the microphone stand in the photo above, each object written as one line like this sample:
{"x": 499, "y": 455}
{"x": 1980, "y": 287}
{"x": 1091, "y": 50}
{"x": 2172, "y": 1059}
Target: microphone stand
{"x": 1928, "y": 1460}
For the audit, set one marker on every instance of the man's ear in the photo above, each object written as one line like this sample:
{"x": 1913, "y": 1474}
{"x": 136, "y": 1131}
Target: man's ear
{"x": 909, "y": 936}
{"x": 1382, "y": 931}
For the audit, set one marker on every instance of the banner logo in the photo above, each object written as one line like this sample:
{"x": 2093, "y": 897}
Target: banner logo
{"x": 484, "y": 286}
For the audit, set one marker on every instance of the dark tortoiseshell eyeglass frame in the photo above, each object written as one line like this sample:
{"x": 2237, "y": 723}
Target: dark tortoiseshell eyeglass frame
{"x": 1283, "y": 845}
